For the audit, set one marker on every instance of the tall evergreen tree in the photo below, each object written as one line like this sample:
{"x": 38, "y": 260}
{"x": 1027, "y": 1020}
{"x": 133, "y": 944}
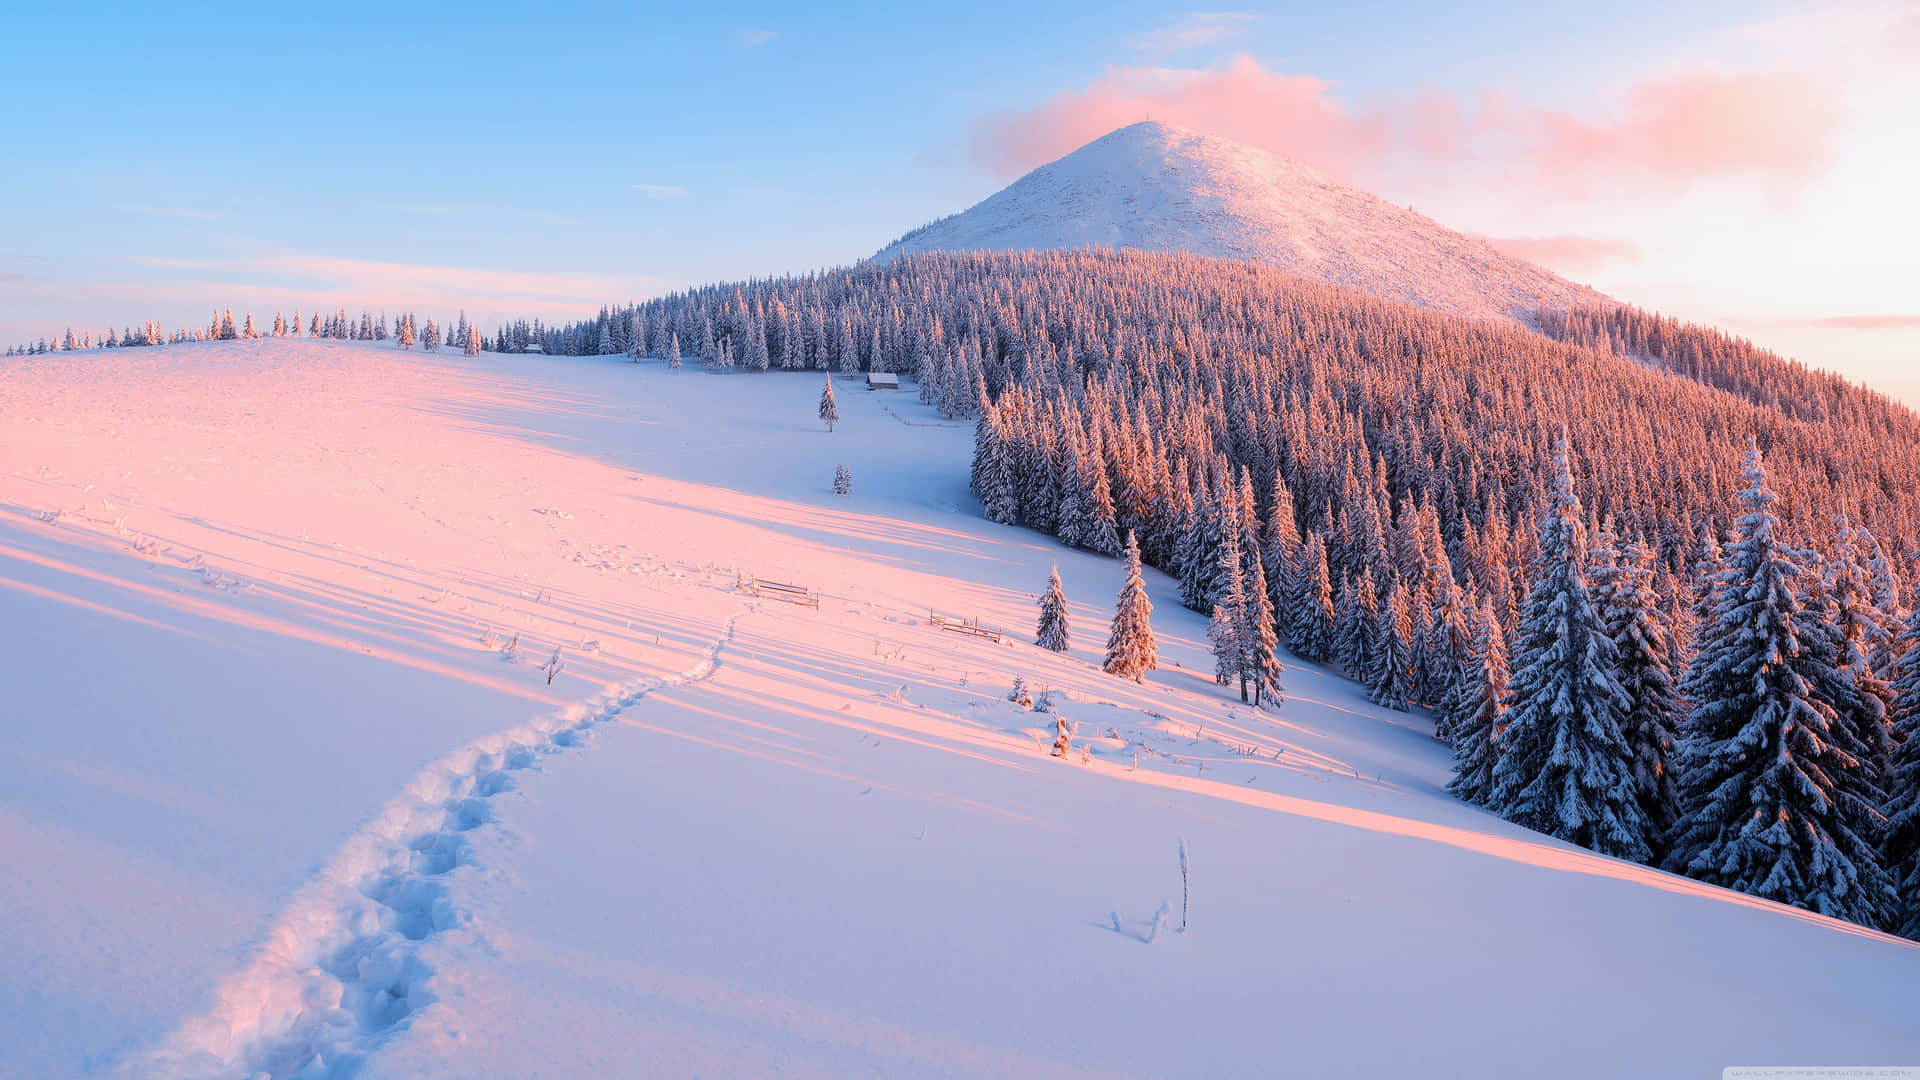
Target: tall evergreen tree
{"x": 1900, "y": 851}
{"x": 1390, "y": 678}
{"x": 1630, "y": 611}
{"x": 1565, "y": 768}
{"x": 829, "y": 409}
{"x": 1258, "y": 637}
{"x": 1772, "y": 797}
{"x": 1229, "y": 618}
{"x": 1052, "y": 632}
{"x": 1356, "y": 622}
{"x": 1478, "y": 711}
{"x": 1131, "y": 651}
{"x": 1309, "y": 608}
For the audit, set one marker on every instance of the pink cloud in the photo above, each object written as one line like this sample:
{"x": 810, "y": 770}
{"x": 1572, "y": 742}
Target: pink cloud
{"x": 1777, "y": 127}
{"x": 1568, "y": 253}
{"x": 1241, "y": 101}
{"x": 1666, "y": 135}
{"x": 1869, "y": 322}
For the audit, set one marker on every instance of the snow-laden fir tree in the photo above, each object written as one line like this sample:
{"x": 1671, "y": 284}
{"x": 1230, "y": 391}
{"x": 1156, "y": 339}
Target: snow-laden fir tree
{"x": 1052, "y": 631}
{"x": 1900, "y": 850}
{"x": 1390, "y": 676}
{"x": 1478, "y": 707}
{"x": 829, "y": 409}
{"x": 405, "y": 337}
{"x": 1229, "y": 618}
{"x": 1773, "y": 800}
{"x": 279, "y": 325}
{"x": 1356, "y": 620}
{"x": 1630, "y": 611}
{"x": 294, "y": 326}
{"x": 1260, "y": 640}
{"x": 473, "y": 340}
{"x": 1131, "y": 651}
{"x": 842, "y": 480}
{"x": 1864, "y": 633}
{"x": 1020, "y": 695}
{"x": 430, "y": 341}
{"x": 1564, "y": 767}
{"x": 673, "y": 351}
{"x": 1309, "y": 607}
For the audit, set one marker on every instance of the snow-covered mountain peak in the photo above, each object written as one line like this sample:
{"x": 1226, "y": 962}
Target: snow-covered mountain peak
{"x": 1157, "y": 187}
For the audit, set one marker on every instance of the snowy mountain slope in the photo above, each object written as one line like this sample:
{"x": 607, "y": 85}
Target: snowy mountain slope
{"x": 284, "y": 801}
{"x": 1162, "y": 188}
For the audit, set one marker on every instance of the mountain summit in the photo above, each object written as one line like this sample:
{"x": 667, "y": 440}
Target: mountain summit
{"x": 1161, "y": 188}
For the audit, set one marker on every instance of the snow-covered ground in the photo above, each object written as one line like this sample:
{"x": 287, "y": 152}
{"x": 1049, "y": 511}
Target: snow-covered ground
{"x": 285, "y": 790}
{"x": 1157, "y": 187}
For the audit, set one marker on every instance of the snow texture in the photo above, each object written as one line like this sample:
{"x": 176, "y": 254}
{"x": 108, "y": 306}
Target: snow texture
{"x": 1161, "y": 188}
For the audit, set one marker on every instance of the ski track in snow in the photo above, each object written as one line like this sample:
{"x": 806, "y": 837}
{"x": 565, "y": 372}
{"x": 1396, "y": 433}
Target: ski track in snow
{"x": 341, "y": 967}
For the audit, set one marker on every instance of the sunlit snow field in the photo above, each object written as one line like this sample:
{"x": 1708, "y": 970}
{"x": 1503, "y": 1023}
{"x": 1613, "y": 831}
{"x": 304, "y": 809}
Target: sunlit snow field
{"x": 285, "y": 788}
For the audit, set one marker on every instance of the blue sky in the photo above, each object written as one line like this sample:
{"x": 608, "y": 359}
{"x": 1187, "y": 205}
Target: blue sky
{"x": 166, "y": 156}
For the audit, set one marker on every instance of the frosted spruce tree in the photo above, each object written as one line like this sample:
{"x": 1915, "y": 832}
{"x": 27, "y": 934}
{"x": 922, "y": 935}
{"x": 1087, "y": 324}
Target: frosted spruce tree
{"x": 1773, "y": 798}
{"x": 1900, "y": 852}
{"x": 1356, "y": 621}
{"x": 473, "y": 341}
{"x": 1478, "y": 707}
{"x": 430, "y": 340}
{"x": 1564, "y": 767}
{"x": 1309, "y": 607}
{"x": 829, "y": 409}
{"x": 1390, "y": 676}
{"x": 1229, "y": 617}
{"x": 1261, "y": 641}
{"x": 673, "y": 351}
{"x": 404, "y": 338}
{"x": 1131, "y": 651}
{"x": 842, "y": 480}
{"x": 1630, "y": 610}
{"x": 1051, "y": 633}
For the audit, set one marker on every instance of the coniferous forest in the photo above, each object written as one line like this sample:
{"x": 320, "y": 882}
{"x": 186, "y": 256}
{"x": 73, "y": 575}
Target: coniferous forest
{"x": 1656, "y": 585}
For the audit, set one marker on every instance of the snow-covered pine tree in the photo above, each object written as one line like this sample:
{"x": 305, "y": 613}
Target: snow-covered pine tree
{"x": 1390, "y": 679}
{"x": 829, "y": 409}
{"x": 1355, "y": 623}
{"x": 1772, "y": 800}
{"x": 294, "y": 326}
{"x": 1564, "y": 768}
{"x": 1052, "y": 633}
{"x": 1309, "y": 607}
{"x": 1630, "y": 611}
{"x": 1864, "y": 634}
{"x": 1258, "y": 637}
{"x": 1478, "y": 709}
{"x": 473, "y": 340}
{"x": 227, "y": 332}
{"x": 1131, "y": 651}
{"x": 430, "y": 341}
{"x": 1229, "y": 618}
{"x": 1900, "y": 850}
{"x": 279, "y": 325}
{"x": 313, "y": 330}
{"x": 673, "y": 351}
{"x": 404, "y": 338}
{"x": 842, "y": 480}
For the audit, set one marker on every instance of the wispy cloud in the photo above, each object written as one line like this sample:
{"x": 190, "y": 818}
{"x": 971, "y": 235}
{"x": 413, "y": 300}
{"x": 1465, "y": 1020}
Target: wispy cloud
{"x": 1868, "y": 322}
{"x": 748, "y": 39}
{"x": 660, "y": 191}
{"x": 1660, "y": 137}
{"x": 1193, "y": 30}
